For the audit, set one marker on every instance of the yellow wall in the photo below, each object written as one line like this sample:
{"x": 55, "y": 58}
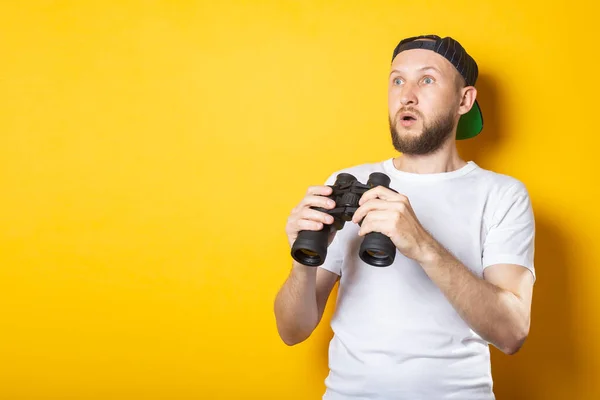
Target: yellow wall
{"x": 151, "y": 151}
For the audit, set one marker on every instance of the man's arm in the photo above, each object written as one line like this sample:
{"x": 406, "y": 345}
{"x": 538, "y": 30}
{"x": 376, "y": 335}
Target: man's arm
{"x": 497, "y": 307}
{"x": 300, "y": 303}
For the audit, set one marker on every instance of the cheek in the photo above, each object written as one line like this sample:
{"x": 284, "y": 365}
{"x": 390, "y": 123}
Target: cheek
{"x": 433, "y": 104}
{"x": 442, "y": 101}
{"x": 393, "y": 101}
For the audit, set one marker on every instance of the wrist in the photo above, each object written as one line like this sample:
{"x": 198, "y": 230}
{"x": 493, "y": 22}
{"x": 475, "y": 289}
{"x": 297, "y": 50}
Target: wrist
{"x": 303, "y": 270}
{"x": 430, "y": 254}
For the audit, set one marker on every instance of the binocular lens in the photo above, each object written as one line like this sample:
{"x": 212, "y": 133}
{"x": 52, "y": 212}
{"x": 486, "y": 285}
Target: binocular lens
{"x": 377, "y": 258}
{"x": 310, "y": 247}
{"x": 307, "y": 257}
{"x": 377, "y": 250}
{"x": 376, "y": 254}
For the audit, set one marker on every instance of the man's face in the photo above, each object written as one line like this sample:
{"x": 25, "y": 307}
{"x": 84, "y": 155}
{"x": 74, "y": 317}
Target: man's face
{"x": 423, "y": 100}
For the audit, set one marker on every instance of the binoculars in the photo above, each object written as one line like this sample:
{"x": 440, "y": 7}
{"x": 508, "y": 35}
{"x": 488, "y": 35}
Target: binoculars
{"x": 310, "y": 247}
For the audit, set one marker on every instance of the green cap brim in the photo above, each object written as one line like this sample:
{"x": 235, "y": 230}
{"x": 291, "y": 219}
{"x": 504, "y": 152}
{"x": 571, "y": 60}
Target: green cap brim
{"x": 470, "y": 124}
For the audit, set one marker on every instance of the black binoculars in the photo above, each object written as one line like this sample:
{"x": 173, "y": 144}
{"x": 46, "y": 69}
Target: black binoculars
{"x": 310, "y": 247}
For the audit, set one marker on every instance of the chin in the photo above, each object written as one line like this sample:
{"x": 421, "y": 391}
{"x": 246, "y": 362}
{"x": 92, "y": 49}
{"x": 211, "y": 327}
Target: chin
{"x": 411, "y": 132}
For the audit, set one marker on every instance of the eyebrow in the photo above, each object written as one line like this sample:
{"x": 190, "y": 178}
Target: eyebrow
{"x": 421, "y": 69}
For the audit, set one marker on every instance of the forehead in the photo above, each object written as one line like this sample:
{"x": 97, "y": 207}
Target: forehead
{"x": 416, "y": 59}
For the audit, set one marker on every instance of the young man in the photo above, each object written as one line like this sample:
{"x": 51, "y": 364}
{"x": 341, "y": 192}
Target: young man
{"x": 463, "y": 273}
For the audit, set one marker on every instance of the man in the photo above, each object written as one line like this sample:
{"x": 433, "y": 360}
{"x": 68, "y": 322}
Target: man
{"x": 463, "y": 273}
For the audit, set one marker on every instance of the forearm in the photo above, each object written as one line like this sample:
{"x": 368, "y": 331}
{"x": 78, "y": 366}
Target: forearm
{"x": 296, "y": 310}
{"x": 497, "y": 315}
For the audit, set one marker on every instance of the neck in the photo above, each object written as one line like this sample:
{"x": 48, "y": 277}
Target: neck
{"x": 445, "y": 159}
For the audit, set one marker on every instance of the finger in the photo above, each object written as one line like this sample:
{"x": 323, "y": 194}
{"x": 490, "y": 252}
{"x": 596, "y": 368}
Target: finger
{"x": 383, "y": 193}
{"x": 378, "y": 221}
{"x": 369, "y": 226}
{"x": 308, "y": 225}
{"x": 373, "y": 205}
{"x": 321, "y": 190}
{"x": 314, "y": 215}
{"x": 317, "y": 201}
{"x": 382, "y": 215}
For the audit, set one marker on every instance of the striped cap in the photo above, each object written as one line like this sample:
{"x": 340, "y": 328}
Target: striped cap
{"x": 471, "y": 123}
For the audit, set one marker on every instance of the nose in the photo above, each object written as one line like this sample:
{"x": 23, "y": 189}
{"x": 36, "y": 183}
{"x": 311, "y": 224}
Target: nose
{"x": 408, "y": 95}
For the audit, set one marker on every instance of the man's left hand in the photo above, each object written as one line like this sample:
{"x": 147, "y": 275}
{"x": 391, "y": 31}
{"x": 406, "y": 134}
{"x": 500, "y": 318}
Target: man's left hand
{"x": 390, "y": 213}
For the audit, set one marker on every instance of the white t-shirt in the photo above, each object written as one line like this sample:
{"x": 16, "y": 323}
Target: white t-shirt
{"x": 395, "y": 334}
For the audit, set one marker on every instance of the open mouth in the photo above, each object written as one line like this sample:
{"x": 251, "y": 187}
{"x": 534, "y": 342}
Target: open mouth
{"x": 407, "y": 119}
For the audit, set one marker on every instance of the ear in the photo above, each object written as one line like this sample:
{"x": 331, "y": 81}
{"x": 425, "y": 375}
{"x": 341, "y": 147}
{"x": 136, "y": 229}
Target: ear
{"x": 468, "y": 96}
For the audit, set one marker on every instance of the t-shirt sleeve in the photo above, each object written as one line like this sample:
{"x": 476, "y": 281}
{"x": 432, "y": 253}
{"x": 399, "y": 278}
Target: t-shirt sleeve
{"x": 511, "y": 235}
{"x": 334, "y": 258}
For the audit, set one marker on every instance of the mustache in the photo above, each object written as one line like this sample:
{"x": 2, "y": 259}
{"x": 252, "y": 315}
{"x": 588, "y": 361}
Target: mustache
{"x": 410, "y": 110}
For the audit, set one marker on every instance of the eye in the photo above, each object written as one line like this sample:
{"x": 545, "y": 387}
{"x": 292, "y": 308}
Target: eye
{"x": 397, "y": 81}
{"x": 428, "y": 80}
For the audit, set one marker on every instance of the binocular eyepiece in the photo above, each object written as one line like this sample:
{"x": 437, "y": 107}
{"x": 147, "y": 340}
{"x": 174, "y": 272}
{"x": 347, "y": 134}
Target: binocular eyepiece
{"x": 310, "y": 247}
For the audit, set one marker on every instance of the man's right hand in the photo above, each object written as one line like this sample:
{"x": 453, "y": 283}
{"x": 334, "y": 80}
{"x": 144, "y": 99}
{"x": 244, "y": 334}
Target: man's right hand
{"x": 301, "y": 301}
{"x": 303, "y": 218}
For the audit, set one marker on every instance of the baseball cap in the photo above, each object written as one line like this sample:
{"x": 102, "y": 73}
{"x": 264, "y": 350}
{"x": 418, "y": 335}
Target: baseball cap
{"x": 471, "y": 123}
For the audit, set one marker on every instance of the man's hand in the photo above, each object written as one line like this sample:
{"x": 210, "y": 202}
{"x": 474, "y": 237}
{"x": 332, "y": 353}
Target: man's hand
{"x": 385, "y": 211}
{"x": 303, "y": 217}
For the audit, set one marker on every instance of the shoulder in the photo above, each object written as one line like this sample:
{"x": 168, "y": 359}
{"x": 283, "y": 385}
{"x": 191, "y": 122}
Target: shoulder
{"x": 500, "y": 186}
{"x": 507, "y": 198}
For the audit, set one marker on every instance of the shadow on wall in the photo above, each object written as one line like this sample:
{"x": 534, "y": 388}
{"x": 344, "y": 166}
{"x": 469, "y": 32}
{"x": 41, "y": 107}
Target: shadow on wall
{"x": 547, "y": 358}
{"x": 547, "y": 363}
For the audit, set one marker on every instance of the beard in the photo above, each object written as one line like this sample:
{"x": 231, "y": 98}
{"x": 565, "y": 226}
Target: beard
{"x": 430, "y": 140}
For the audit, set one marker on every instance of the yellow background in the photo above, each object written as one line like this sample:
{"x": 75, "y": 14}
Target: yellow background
{"x": 151, "y": 151}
